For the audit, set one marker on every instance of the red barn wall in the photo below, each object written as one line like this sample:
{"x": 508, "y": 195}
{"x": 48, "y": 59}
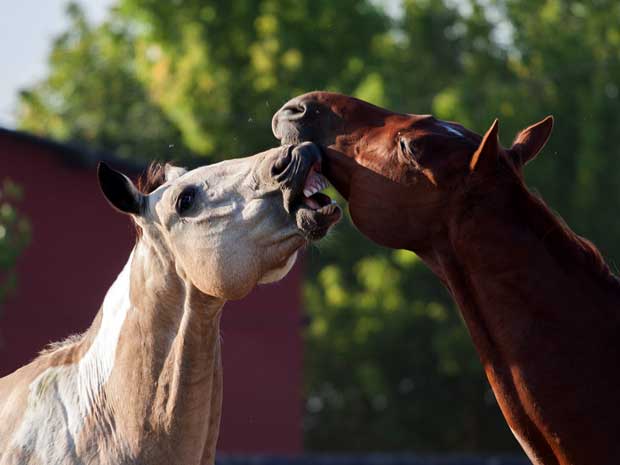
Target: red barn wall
{"x": 79, "y": 245}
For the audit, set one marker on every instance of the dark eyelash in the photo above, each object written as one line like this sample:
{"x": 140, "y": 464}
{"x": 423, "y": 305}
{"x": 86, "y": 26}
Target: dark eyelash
{"x": 185, "y": 200}
{"x": 403, "y": 146}
{"x": 408, "y": 148}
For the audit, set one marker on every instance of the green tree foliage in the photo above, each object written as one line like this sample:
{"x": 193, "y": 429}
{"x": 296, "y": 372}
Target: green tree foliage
{"x": 14, "y": 236}
{"x": 389, "y": 364}
{"x": 92, "y": 94}
{"x": 220, "y": 69}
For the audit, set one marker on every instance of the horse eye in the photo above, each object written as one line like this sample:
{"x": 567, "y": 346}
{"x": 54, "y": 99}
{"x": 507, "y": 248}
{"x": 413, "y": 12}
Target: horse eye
{"x": 185, "y": 200}
{"x": 408, "y": 148}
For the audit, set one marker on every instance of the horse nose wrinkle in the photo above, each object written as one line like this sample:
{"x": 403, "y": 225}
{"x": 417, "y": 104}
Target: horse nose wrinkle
{"x": 282, "y": 162}
{"x": 311, "y": 152}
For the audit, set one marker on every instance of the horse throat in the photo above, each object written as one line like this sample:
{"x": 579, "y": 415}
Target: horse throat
{"x": 167, "y": 378}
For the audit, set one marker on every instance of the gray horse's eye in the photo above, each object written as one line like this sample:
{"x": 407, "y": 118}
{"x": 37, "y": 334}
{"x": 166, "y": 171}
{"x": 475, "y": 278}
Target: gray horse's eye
{"x": 185, "y": 200}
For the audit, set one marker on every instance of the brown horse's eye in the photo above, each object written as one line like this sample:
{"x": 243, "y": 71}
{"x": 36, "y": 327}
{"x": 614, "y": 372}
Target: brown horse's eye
{"x": 408, "y": 148}
{"x": 185, "y": 201}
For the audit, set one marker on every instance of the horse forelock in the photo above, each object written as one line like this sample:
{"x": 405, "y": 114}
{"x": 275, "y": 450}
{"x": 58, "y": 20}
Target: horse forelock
{"x": 152, "y": 178}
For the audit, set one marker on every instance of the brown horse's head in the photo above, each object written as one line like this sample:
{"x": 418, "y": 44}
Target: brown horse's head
{"x": 403, "y": 175}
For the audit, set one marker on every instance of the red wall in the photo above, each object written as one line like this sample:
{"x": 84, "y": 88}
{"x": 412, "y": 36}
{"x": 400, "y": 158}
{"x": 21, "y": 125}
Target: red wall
{"x": 79, "y": 245}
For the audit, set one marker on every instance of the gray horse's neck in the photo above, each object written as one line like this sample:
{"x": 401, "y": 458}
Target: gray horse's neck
{"x": 143, "y": 385}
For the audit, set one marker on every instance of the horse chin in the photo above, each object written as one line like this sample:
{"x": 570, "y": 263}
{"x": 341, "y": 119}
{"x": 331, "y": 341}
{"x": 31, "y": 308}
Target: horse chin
{"x": 280, "y": 271}
{"x": 314, "y": 224}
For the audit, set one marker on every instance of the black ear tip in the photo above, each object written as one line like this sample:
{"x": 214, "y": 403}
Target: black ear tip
{"x": 102, "y": 170}
{"x": 119, "y": 190}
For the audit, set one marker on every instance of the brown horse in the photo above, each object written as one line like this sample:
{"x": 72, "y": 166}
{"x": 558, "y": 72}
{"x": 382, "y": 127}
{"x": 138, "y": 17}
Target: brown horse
{"x": 540, "y": 303}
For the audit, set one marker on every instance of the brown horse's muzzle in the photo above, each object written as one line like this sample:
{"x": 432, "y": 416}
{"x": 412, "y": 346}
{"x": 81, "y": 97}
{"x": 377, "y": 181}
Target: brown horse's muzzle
{"x": 306, "y": 119}
{"x": 286, "y": 122}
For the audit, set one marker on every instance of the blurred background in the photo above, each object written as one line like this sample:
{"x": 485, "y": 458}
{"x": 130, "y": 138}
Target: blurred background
{"x": 387, "y": 363}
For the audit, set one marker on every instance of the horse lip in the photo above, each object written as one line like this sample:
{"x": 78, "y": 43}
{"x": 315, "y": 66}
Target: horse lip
{"x": 293, "y": 191}
{"x": 293, "y": 188}
{"x": 315, "y": 224}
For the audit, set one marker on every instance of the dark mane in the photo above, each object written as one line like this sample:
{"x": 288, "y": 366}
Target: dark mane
{"x": 153, "y": 177}
{"x": 563, "y": 242}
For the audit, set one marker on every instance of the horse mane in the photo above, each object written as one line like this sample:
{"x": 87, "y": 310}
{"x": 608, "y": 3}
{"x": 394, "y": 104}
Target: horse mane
{"x": 153, "y": 177}
{"x": 566, "y": 246}
{"x": 57, "y": 351}
{"x": 64, "y": 343}
{"x": 562, "y": 241}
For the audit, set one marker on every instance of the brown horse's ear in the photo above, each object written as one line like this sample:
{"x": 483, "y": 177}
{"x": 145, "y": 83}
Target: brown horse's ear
{"x": 530, "y": 141}
{"x": 486, "y": 154}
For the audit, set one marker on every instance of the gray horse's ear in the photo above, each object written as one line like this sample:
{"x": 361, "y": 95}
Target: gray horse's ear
{"x": 172, "y": 172}
{"x": 119, "y": 191}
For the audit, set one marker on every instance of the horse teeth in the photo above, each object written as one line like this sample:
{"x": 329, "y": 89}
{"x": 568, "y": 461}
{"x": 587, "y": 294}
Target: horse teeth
{"x": 311, "y": 190}
{"x": 314, "y": 183}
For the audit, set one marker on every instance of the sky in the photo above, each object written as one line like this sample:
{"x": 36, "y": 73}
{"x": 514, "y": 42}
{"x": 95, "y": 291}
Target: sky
{"x": 27, "y": 28}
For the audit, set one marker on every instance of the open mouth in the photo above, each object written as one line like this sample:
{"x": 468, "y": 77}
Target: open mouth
{"x": 315, "y": 183}
{"x": 317, "y": 212}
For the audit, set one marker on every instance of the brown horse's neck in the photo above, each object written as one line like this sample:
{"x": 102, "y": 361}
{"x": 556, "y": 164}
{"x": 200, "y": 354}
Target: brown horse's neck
{"x": 167, "y": 376}
{"x": 541, "y": 307}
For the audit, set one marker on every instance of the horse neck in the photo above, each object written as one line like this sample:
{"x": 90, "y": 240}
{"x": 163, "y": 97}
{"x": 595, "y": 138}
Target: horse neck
{"x": 508, "y": 256}
{"x": 164, "y": 390}
{"x": 539, "y": 304}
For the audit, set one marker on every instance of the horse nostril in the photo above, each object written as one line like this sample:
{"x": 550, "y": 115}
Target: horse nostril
{"x": 282, "y": 162}
{"x": 293, "y": 111}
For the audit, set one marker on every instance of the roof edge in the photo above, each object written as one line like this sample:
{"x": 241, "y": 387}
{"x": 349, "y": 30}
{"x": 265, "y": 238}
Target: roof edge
{"x": 75, "y": 154}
